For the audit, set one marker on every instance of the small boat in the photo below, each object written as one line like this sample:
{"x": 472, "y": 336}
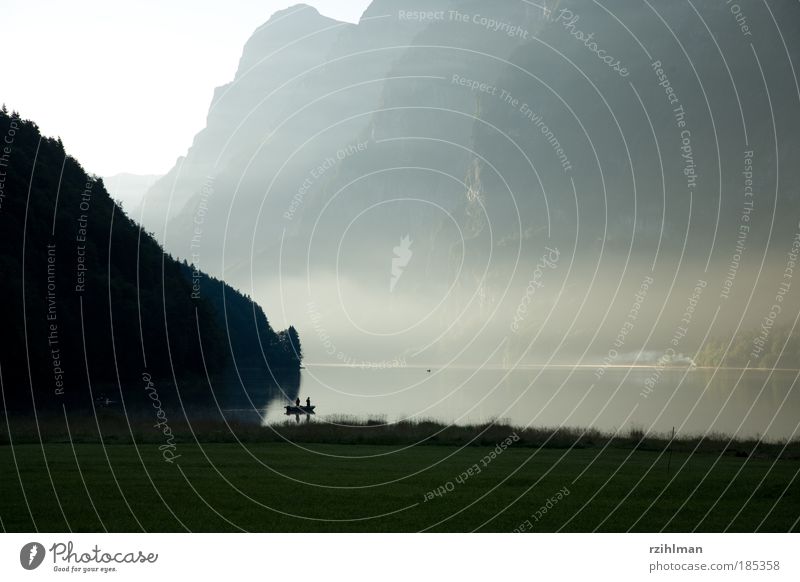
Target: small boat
{"x": 290, "y": 410}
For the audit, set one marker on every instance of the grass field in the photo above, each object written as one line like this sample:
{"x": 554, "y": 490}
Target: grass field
{"x": 350, "y": 487}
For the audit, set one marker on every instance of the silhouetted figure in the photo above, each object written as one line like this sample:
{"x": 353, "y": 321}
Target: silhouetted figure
{"x": 308, "y": 401}
{"x": 297, "y": 402}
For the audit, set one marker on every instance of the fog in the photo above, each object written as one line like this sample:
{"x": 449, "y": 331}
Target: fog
{"x": 460, "y": 182}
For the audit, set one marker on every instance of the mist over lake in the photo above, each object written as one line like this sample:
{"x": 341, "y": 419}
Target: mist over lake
{"x": 737, "y": 403}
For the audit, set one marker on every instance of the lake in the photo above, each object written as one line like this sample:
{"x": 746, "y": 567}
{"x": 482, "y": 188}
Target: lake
{"x": 731, "y": 401}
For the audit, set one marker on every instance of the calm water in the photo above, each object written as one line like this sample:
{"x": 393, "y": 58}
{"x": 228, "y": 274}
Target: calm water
{"x": 734, "y": 402}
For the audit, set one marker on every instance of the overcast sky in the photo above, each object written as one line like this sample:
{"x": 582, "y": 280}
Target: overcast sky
{"x": 127, "y": 85}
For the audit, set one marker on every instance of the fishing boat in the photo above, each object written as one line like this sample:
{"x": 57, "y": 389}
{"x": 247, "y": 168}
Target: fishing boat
{"x": 291, "y": 410}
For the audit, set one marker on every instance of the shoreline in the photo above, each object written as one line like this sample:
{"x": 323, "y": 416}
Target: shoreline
{"x": 110, "y": 428}
{"x": 545, "y": 366}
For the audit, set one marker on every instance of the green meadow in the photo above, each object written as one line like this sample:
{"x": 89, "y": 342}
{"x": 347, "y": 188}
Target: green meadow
{"x": 307, "y": 487}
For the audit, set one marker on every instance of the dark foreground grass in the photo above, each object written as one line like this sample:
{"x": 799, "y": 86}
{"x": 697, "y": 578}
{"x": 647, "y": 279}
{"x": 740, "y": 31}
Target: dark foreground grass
{"x": 293, "y": 488}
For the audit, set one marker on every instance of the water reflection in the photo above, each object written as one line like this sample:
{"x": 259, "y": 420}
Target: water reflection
{"x": 733, "y": 402}
{"x": 250, "y": 393}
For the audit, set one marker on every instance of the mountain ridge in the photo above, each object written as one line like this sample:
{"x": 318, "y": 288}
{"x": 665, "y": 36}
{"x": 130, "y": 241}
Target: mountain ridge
{"x": 493, "y": 122}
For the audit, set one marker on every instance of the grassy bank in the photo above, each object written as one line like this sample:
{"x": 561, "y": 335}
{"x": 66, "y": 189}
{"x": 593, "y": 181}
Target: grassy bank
{"x": 286, "y": 487}
{"x": 113, "y": 428}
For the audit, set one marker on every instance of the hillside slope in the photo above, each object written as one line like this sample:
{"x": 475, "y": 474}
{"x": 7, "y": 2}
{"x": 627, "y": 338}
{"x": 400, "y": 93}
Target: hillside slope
{"x": 92, "y": 304}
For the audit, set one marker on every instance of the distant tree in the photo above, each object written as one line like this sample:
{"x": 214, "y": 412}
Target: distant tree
{"x": 780, "y": 349}
{"x": 294, "y": 342}
{"x": 289, "y": 344}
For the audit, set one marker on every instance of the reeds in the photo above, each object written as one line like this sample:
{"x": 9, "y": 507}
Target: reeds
{"x": 111, "y": 428}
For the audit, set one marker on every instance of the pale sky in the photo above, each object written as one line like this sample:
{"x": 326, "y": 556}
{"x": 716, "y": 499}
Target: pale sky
{"x": 127, "y": 85}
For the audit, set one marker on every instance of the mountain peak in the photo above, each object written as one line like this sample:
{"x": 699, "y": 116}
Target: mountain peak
{"x": 286, "y": 28}
{"x": 298, "y": 12}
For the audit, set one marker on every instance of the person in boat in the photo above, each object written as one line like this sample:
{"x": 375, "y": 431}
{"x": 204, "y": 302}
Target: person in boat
{"x": 308, "y": 402}
{"x": 297, "y": 402}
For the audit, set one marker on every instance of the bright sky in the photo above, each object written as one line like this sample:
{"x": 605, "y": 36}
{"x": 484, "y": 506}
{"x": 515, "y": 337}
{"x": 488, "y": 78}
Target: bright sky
{"x": 127, "y": 85}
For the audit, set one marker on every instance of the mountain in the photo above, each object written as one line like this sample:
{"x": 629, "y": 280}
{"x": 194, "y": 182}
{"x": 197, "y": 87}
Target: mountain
{"x": 93, "y": 305}
{"x": 479, "y": 139}
{"x": 128, "y": 190}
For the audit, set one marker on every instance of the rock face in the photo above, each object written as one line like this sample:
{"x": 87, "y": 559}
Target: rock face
{"x": 487, "y": 132}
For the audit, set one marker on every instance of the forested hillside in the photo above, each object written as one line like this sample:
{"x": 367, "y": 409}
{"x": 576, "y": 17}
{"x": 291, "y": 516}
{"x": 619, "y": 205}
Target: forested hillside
{"x": 92, "y": 304}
